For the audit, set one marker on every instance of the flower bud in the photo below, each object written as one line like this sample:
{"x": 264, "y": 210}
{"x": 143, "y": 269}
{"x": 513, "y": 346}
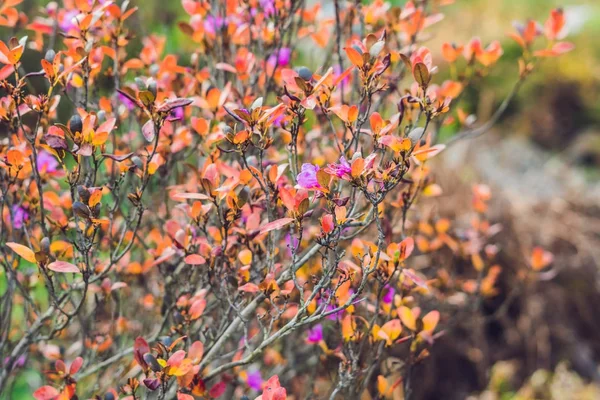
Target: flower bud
{"x": 152, "y": 87}
{"x": 45, "y": 245}
{"x": 152, "y": 362}
{"x": 50, "y": 54}
{"x": 137, "y": 162}
{"x": 76, "y": 124}
{"x": 304, "y": 73}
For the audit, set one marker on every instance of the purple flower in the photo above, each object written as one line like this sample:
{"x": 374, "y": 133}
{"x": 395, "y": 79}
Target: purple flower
{"x": 268, "y": 7}
{"x": 20, "y": 216}
{"x": 254, "y": 380}
{"x": 151, "y": 384}
{"x": 292, "y": 243}
{"x": 337, "y": 71}
{"x": 18, "y": 363}
{"x": 341, "y": 170}
{"x": 388, "y": 297}
{"x": 177, "y": 113}
{"x": 315, "y": 335}
{"x": 126, "y": 102}
{"x": 213, "y": 24}
{"x": 46, "y": 163}
{"x": 335, "y": 315}
{"x": 281, "y": 58}
{"x": 68, "y": 21}
{"x": 307, "y": 178}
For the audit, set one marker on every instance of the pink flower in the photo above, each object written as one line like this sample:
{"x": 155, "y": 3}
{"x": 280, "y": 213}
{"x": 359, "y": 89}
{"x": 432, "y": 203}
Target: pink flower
{"x": 69, "y": 21}
{"x": 47, "y": 163}
{"x": 307, "y": 178}
{"x": 342, "y": 170}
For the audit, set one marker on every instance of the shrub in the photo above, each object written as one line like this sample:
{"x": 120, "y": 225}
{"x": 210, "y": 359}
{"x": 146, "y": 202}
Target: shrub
{"x": 202, "y": 224}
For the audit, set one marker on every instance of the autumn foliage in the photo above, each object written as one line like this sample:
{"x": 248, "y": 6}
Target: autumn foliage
{"x": 226, "y": 222}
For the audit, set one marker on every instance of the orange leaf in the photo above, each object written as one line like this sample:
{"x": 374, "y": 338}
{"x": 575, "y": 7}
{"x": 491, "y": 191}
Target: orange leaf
{"x": 95, "y": 198}
{"x": 354, "y": 56}
{"x": 540, "y": 259}
{"x": 382, "y": 385}
{"x": 349, "y": 328}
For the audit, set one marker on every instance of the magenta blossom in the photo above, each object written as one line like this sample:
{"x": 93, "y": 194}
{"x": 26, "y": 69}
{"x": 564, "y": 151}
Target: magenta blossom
{"x": 342, "y": 170}
{"x": 307, "y": 178}
{"x": 19, "y": 215}
{"x": 388, "y": 297}
{"x": 281, "y": 58}
{"x": 126, "y": 101}
{"x": 254, "y": 380}
{"x": 315, "y": 335}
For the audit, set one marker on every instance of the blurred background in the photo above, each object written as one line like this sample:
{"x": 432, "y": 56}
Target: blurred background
{"x": 542, "y": 162}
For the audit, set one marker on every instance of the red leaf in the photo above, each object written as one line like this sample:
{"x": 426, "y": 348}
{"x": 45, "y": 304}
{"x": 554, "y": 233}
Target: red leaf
{"x": 277, "y": 224}
{"x": 140, "y": 347}
{"x": 273, "y": 390}
{"x": 63, "y": 267}
{"x": 60, "y": 366}
{"x": 217, "y": 390}
{"x": 75, "y": 366}
{"x": 45, "y": 393}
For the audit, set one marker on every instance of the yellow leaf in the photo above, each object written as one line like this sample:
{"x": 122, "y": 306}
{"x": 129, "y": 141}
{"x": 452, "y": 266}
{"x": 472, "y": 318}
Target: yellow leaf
{"x": 23, "y": 251}
{"x": 432, "y": 190}
{"x": 407, "y": 317}
{"x": 430, "y": 321}
{"x": 245, "y": 257}
{"x": 392, "y": 330}
{"x": 152, "y": 167}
